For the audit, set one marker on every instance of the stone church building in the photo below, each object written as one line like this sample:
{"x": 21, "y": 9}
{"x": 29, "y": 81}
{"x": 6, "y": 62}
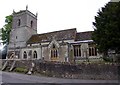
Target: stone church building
{"x": 63, "y": 46}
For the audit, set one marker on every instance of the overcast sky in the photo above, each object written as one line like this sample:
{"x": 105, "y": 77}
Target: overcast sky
{"x": 56, "y": 15}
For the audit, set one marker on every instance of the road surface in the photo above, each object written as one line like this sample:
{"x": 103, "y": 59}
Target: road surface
{"x": 9, "y": 78}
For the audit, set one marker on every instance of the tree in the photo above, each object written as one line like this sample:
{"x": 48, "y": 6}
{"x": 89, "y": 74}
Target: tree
{"x": 107, "y": 28}
{"x": 5, "y": 33}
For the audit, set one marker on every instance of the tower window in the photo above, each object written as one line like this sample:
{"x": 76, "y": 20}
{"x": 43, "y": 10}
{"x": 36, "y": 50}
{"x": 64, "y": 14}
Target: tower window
{"x": 31, "y": 23}
{"x": 19, "y": 22}
{"x": 16, "y": 37}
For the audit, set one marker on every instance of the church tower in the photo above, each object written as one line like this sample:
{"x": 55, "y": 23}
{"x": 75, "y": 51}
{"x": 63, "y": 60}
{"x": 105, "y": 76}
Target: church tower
{"x": 24, "y": 25}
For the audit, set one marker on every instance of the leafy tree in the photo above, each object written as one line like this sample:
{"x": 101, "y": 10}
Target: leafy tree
{"x": 6, "y": 29}
{"x": 0, "y": 34}
{"x": 107, "y": 28}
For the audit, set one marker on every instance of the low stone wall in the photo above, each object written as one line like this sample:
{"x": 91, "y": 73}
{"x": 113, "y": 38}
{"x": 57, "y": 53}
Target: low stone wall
{"x": 67, "y": 70}
{"x": 82, "y": 71}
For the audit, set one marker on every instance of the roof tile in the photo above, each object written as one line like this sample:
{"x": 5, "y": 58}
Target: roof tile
{"x": 58, "y": 35}
{"x": 84, "y": 36}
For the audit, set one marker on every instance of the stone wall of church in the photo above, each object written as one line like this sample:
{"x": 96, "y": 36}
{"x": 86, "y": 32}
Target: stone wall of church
{"x": 19, "y": 37}
{"x": 24, "y": 25}
{"x": 84, "y": 50}
{"x": 30, "y": 52}
{"x": 62, "y": 53}
{"x": 45, "y": 53}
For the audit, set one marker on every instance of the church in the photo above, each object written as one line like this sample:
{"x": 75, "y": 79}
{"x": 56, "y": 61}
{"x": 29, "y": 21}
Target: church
{"x": 61, "y": 46}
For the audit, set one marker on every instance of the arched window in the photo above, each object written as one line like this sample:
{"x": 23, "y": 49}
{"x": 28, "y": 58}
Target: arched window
{"x": 95, "y": 51}
{"x": 19, "y": 22}
{"x": 77, "y": 50}
{"x": 25, "y": 55}
{"x": 35, "y": 55}
{"x": 31, "y": 24}
{"x": 92, "y": 51}
{"x": 54, "y": 52}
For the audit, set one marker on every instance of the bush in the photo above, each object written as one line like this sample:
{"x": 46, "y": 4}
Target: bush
{"x": 21, "y": 70}
{"x": 107, "y": 59}
{"x": 118, "y": 58}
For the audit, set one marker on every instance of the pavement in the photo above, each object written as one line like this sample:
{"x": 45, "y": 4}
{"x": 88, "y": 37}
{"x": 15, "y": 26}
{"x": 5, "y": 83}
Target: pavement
{"x": 10, "y": 78}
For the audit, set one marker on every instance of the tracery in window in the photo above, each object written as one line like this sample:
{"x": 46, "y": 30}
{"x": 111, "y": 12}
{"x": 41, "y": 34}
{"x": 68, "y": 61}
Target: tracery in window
{"x": 77, "y": 50}
{"x": 54, "y": 52}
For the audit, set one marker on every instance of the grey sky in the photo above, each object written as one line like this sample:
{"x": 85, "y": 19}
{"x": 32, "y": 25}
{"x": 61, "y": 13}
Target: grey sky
{"x": 56, "y": 15}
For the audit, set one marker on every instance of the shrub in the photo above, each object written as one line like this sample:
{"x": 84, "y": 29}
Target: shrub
{"x": 21, "y": 70}
{"x": 107, "y": 59}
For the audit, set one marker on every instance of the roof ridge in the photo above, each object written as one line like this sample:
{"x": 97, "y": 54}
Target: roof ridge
{"x": 85, "y": 32}
{"x": 56, "y": 31}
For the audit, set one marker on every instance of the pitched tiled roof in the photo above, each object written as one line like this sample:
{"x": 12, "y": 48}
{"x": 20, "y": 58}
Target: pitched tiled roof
{"x": 84, "y": 36}
{"x": 58, "y": 35}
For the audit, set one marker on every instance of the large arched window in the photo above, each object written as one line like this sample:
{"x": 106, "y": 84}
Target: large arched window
{"x": 25, "y": 55}
{"x": 54, "y": 52}
{"x": 35, "y": 55}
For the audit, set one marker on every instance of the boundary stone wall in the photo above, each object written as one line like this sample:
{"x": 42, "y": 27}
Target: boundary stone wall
{"x": 66, "y": 70}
